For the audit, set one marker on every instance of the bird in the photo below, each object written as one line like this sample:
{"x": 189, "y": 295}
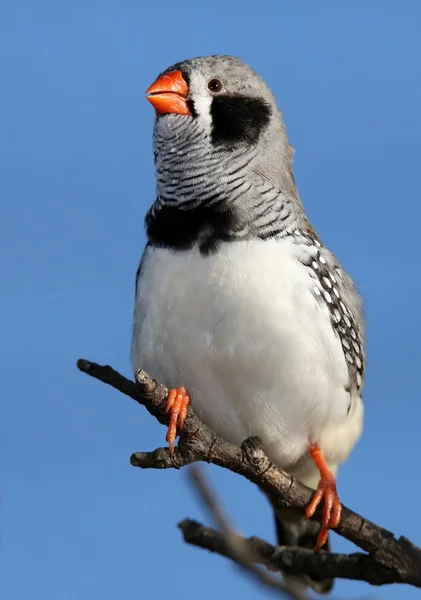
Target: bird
{"x": 240, "y": 308}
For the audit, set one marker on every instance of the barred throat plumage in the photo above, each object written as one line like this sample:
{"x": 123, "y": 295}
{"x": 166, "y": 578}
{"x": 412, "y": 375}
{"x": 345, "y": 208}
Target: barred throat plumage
{"x": 207, "y": 195}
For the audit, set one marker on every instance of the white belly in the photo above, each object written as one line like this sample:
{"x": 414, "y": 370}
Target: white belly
{"x": 243, "y": 332}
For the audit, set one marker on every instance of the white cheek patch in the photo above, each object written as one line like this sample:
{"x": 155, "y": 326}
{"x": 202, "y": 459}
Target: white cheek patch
{"x": 202, "y": 101}
{"x": 202, "y": 104}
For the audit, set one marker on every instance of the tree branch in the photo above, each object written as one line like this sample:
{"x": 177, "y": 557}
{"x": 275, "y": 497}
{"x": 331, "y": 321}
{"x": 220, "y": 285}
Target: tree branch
{"x": 236, "y": 548}
{"x": 294, "y": 561}
{"x": 390, "y": 560}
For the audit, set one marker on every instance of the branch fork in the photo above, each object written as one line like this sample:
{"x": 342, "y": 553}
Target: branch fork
{"x": 385, "y": 559}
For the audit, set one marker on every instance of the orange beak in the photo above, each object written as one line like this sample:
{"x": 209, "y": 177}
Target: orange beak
{"x": 168, "y": 94}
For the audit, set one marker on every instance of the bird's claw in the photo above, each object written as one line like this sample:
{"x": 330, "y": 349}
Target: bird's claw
{"x": 326, "y": 490}
{"x": 177, "y": 403}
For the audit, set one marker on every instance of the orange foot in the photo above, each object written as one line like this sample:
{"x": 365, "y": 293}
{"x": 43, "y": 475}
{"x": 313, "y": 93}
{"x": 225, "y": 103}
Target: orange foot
{"x": 326, "y": 490}
{"x": 177, "y": 403}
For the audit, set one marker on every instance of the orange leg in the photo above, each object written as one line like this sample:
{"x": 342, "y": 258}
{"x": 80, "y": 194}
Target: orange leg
{"x": 326, "y": 490}
{"x": 177, "y": 403}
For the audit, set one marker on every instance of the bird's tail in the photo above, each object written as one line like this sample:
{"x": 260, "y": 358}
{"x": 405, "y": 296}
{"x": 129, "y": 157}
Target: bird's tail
{"x": 294, "y": 530}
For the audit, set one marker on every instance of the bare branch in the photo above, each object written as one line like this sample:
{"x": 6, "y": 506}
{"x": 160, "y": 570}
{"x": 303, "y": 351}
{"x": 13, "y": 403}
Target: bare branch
{"x": 236, "y": 547}
{"x": 394, "y": 560}
{"x": 292, "y": 560}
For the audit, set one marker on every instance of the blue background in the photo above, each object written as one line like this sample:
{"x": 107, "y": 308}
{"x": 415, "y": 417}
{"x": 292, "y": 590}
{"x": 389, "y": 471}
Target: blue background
{"x": 76, "y": 177}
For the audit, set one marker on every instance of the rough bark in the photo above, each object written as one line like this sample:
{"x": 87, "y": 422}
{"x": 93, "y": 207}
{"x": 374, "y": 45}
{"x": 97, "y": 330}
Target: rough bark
{"x": 386, "y": 559}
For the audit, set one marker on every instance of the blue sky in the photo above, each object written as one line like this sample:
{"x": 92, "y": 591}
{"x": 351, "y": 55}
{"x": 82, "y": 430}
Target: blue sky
{"x": 76, "y": 177}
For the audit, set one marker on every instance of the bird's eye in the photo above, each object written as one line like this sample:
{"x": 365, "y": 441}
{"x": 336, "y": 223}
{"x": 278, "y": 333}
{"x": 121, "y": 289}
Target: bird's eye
{"x": 215, "y": 85}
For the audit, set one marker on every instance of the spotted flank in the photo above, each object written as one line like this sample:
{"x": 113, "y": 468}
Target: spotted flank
{"x": 330, "y": 292}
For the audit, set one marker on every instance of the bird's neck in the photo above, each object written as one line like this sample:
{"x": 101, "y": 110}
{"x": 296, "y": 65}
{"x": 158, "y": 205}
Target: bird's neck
{"x": 207, "y": 196}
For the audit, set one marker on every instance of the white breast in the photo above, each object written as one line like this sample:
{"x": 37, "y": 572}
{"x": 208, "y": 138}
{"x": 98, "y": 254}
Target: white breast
{"x": 243, "y": 332}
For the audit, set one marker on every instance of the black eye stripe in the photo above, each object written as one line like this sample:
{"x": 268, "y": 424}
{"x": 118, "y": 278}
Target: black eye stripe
{"x": 186, "y": 77}
{"x": 192, "y": 108}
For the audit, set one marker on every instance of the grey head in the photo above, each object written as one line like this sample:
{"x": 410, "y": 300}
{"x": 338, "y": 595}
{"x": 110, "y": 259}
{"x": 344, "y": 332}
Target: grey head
{"x": 223, "y": 161}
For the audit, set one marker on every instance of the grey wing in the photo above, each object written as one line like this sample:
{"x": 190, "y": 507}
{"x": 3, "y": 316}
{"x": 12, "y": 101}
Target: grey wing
{"x": 346, "y": 311}
{"x": 139, "y": 314}
{"x": 336, "y": 290}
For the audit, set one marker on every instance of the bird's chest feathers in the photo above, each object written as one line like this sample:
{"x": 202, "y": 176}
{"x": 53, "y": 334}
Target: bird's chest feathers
{"x": 204, "y": 228}
{"x": 252, "y": 298}
{"x": 242, "y": 330}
